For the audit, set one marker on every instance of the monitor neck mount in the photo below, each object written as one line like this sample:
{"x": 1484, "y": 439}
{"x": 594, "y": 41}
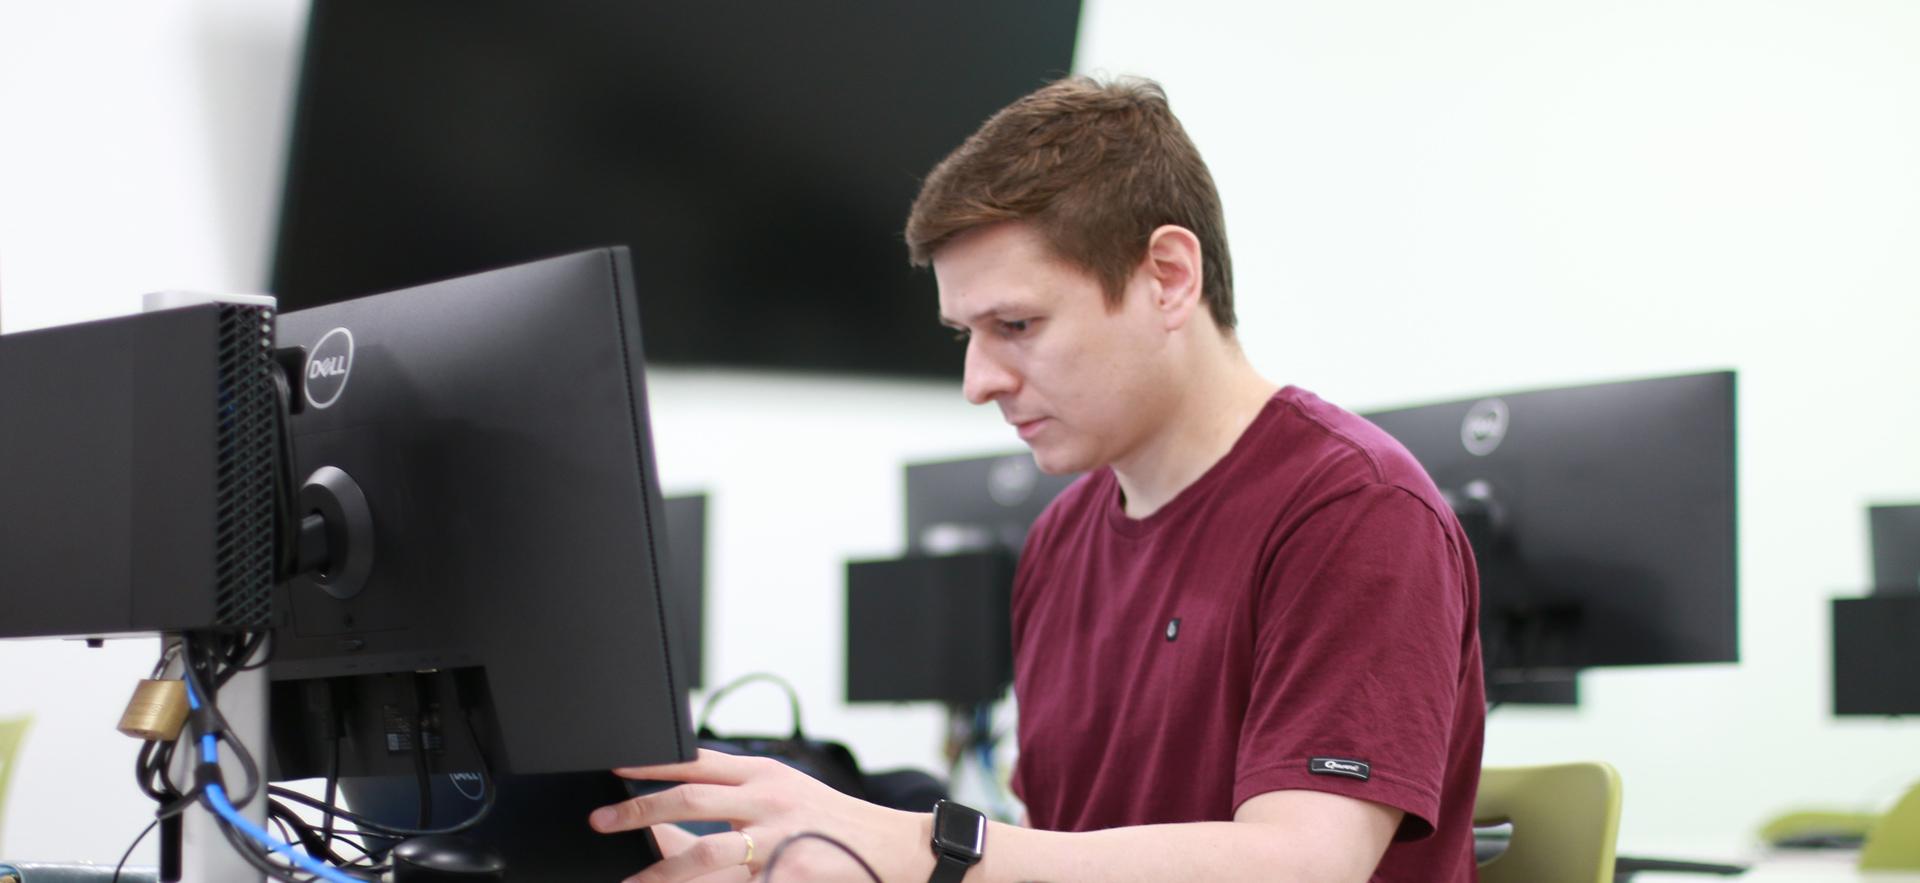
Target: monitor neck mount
{"x": 336, "y": 534}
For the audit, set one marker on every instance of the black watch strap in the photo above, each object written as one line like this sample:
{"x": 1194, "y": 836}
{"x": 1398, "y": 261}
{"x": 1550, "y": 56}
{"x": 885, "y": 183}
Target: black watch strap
{"x": 948, "y": 869}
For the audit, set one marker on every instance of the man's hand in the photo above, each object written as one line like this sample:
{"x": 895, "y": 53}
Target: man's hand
{"x": 768, "y": 802}
{"x": 675, "y": 840}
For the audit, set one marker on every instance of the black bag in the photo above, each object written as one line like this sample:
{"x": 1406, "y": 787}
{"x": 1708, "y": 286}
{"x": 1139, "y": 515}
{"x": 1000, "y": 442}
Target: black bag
{"x": 830, "y": 762}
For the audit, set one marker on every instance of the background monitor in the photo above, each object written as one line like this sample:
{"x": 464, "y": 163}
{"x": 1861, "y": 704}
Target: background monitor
{"x": 936, "y": 624}
{"x": 1602, "y": 519}
{"x": 977, "y": 502}
{"x": 686, "y": 583}
{"x": 1896, "y": 548}
{"x": 758, "y": 156}
{"x": 935, "y": 627}
{"x": 1876, "y": 657}
{"x": 506, "y": 573}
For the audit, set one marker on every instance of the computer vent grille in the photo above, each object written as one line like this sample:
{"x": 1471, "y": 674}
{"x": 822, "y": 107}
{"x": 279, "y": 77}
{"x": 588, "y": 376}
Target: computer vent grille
{"x": 247, "y": 457}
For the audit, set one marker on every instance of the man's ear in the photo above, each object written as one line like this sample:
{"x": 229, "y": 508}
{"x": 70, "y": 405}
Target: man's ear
{"x": 1173, "y": 267}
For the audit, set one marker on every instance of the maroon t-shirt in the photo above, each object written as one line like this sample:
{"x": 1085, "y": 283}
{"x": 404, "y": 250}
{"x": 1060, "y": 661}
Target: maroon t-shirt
{"x": 1310, "y": 599}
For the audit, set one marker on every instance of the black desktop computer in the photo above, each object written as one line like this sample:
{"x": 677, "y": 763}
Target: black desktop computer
{"x": 930, "y": 627}
{"x": 1602, "y": 518}
{"x": 935, "y": 625}
{"x": 1876, "y": 639}
{"x": 138, "y": 474}
{"x": 436, "y": 508}
{"x": 1876, "y": 655}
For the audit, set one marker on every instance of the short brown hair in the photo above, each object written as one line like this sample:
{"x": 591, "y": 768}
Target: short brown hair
{"x": 1095, "y": 168}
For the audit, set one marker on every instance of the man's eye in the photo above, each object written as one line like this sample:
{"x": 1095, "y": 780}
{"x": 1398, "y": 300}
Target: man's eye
{"x": 961, "y": 334}
{"x": 1013, "y": 326}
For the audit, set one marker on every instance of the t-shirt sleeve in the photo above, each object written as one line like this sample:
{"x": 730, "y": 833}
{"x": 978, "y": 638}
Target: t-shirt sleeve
{"x": 1358, "y": 641}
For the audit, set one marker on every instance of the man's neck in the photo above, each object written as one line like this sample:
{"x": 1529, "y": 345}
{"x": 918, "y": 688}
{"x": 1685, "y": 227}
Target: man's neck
{"x": 1197, "y": 433}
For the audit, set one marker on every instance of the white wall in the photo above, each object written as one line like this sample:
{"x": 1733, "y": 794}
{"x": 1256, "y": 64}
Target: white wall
{"x": 1426, "y": 200}
{"x": 1432, "y": 200}
{"x": 139, "y": 143}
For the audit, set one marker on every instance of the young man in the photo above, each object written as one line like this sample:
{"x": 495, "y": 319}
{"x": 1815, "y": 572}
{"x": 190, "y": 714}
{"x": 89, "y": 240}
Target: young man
{"x": 1245, "y": 643}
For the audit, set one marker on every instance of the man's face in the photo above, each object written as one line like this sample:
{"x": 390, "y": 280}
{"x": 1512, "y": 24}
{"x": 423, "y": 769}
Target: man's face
{"x": 1080, "y": 384}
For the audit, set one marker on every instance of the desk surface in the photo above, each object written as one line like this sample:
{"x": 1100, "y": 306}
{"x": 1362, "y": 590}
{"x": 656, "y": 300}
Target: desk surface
{"x": 1769, "y": 866}
{"x": 1836, "y": 867}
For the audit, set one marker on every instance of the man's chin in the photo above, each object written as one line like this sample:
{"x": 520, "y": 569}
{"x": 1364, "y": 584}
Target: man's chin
{"x": 1054, "y": 461}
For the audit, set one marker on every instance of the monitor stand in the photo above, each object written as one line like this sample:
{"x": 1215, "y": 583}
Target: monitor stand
{"x": 204, "y": 850}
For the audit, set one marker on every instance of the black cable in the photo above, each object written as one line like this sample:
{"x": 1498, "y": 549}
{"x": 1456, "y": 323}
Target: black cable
{"x": 422, "y": 772}
{"x": 267, "y": 639}
{"x": 145, "y": 768}
{"x": 130, "y": 847}
{"x": 219, "y": 727}
{"x": 380, "y": 829}
{"x": 285, "y": 513}
{"x": 236, "y": 656}
{"x": 815, "y": 835}
{"x": 254, "y": 854}
{"x": 370, "y": 826}
{"x": 280, "y": 824}
{"x": 201, "y": 660}
{"x": 318, "y": 846}
{"x": 333, "y": 780}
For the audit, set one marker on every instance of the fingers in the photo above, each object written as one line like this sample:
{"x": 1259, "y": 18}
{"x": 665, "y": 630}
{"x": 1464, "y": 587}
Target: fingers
{"x": 718, "y": 857}
{"x": 712, "y": 767}
{"x": 681, "y": 803}
{"x": 672, "y": 838}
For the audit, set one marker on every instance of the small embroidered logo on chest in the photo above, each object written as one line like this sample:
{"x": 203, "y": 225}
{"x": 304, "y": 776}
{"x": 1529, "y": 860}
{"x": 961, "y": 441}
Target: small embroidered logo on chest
{"x": 1173, "y": 628}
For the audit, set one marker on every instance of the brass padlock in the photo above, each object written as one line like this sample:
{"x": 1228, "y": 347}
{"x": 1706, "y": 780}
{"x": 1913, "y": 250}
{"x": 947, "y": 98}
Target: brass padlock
{"x": 157, "y": 711}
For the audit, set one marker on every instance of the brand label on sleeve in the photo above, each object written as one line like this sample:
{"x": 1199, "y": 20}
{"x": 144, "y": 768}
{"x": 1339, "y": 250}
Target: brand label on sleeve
{"x": 1340, "y": 766}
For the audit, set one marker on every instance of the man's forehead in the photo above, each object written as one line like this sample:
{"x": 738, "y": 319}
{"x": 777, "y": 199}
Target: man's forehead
{"x": 995, "y": 270}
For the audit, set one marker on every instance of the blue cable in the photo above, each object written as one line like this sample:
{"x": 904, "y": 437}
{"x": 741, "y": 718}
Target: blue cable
{"x": 218, "y": 802}
{"x": 217, "y": 799}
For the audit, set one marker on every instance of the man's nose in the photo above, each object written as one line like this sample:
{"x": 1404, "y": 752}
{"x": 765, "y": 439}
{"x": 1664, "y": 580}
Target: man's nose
{"x": 986, "y": 378}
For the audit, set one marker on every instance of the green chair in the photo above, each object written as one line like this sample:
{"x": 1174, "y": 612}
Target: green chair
{"x": 1565, "y": 818}
{"x": 1893, "y": 843}
{"x": 1825, "y": 825}
{"x": 12, "y": 732}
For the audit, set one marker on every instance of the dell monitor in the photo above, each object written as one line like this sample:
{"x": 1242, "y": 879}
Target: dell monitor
{"x": 483, "y": 538}
{"x": 977, "y": 502}
{"x": 1602, "y": 519}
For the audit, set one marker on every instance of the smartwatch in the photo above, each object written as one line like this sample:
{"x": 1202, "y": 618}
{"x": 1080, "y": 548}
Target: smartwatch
{"x": 959, "y": 839}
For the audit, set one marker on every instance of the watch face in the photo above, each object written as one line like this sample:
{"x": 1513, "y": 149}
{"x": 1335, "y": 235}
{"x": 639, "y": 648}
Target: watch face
{"x": 959, "y": 831}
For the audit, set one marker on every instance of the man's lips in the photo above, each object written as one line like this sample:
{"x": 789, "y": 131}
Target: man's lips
{"x": 1028, "y": 428}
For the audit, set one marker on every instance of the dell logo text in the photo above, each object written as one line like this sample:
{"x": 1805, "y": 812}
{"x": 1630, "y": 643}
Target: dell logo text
{"x": 1485, "y": 427}
{"x": 329, "y": 365}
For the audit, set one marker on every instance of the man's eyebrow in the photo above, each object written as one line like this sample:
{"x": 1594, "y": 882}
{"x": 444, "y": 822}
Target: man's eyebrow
{"x": 986, "y": 313}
